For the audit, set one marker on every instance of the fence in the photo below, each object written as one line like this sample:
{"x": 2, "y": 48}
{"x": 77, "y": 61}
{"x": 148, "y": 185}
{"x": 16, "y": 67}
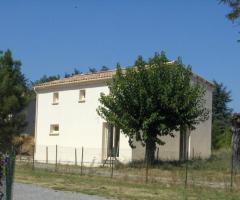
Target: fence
{"x": 6, "y": 178}
{"x": 216, "y": 172}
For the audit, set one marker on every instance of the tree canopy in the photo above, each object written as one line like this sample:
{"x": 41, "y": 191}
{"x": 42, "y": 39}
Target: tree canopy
{"x": 46, "y": 78}
{"x": 221, "y": 135}
{"x": 234, "y": 14}
{"x": 153, "y": 99}
{"x": 235, "y": 6}
{"x": 13, "y": 92}
{"x": 104, "y": 68}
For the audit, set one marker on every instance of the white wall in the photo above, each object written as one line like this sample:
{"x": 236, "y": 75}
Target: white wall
{"x": 79, "y": 124}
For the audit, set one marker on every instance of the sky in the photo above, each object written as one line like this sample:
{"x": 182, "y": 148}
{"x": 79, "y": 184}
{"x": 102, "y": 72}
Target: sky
{"x": 54, "y": 37}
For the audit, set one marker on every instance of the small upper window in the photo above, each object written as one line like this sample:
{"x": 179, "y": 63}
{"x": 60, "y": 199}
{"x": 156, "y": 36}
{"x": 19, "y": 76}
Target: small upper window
{"x": 54, "y": 129}
{"x": 55, "y": 98}
{"x": 82, "y": 95}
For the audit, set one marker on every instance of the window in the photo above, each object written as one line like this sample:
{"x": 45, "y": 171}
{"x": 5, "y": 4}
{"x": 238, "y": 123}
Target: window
{"x": 82, "y": 96}
{"x": 55, "y": 98}
{"x": 54, "y": 129}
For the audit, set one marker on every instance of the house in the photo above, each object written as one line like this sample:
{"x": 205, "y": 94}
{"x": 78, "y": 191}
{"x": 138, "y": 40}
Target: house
{"x": 67, "y": 125}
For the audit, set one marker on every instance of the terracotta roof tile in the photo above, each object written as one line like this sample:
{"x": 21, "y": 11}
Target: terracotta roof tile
{"x": 94, "y": 77}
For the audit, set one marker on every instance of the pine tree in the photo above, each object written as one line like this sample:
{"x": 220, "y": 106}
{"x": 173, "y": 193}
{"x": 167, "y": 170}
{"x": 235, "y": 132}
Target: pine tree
{"x": 13, "y": 93}
{"x": 221, "y": 135}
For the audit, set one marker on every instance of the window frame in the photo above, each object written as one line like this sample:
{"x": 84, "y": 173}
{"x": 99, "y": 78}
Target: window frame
{"x": 82, "y": 100}
{"x": 52, "y": 132}
{"x": 55, "y": 101}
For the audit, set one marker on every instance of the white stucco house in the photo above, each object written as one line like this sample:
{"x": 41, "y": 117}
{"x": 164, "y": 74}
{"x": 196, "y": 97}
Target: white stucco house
{"x": 66, "y": 121}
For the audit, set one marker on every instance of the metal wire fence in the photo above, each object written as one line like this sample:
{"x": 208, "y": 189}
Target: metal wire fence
{"x": 7, "y": 175}
{"x": 215, "y": 172}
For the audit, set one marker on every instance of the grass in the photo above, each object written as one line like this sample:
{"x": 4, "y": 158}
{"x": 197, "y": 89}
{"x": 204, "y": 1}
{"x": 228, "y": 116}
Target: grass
{"x": 120, "y": 189}
{"x": 207, "y": 180}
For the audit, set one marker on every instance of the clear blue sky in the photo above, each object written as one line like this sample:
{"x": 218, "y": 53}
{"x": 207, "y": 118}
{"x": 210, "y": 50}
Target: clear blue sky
{"x": 54, "y": 37}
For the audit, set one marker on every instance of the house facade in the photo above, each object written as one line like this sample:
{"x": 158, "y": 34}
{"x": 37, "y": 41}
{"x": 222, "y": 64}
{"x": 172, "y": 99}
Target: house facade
{"x": 68, "y": 126}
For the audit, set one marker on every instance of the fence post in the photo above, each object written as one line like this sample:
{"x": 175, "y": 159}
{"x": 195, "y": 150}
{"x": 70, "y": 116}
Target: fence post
{"x": 111, "y": 163}
{"x": 147, "y": 168}
{"x": 76, "y": 156}
{"x": 186, "y": 172}
{"x": 46, "y": 154}
{"x": 193, "y": 156}
{"x": 33, "y": 164}
{"x": 82, "y": 162}
{"x": 20, "y": 153}
{"x": 231, "y": 184}
{"x": 158, "y": 154}
{"x": 56, "y": 158}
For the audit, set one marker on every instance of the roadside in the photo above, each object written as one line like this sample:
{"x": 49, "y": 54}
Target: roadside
{"x": 123, "y": 189}
{"x": 30, "y": 192}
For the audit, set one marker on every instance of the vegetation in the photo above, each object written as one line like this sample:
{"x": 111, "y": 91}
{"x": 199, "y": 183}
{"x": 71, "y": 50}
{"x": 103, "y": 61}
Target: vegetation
{"x": 13, "y": 92}
{"x": 104, "y": 68}
{"x": 75, "y": 72}
{"x": 234, "y": 15}
{"x": 153, "y": 99}
{"x": 46, "y": 78}
{"x": 92, "y": 70}
{"x": 221, "y": 131}
{"x": 208, "y": 179}
{"x": 235, "y": 6}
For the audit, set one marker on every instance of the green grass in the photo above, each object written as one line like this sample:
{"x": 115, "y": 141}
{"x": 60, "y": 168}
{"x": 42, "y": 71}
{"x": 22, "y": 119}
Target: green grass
{"x": 117, "y": 188}
{"x": 208, "y": 179}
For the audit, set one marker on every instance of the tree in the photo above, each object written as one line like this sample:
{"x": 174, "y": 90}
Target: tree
{"x": 234, "y": 15}
{"x": 235, "y": 6}
{"x": 75, "y": 72}
{"x": 13, "y": 92}
{"x": 153, "y": 99}
{"x": 46, "y": 78}
{"x": 104, "y": 68}
{"x": 92, "y": 70}
{"x": 221, "y": 135}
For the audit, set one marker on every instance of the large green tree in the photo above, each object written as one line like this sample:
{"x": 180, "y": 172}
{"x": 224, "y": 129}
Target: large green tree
{"x": 13, "y": 93}
{"x": 221, "y": 135}
{"x": 153, "y": 99}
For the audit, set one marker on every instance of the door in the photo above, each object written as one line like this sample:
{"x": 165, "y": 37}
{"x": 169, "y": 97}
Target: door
{"x": 110, "y": 142}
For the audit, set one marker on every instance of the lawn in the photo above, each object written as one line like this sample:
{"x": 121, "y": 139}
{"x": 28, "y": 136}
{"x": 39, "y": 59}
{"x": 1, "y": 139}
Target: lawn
{"x": 207, "y": 180}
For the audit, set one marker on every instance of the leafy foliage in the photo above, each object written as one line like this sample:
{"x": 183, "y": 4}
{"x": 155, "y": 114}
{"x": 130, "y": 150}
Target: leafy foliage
{"x": 104, "y": 68}
{"x": 13, "y": 92}
{"x": 221, "y": 135}
{"x": 234, "y": 15}
{"x": 153, "y": 99}
{"x": 75, "y": 72}
{"x": 92, "y": 70}
{"x": 46, "y": 78}
{"x": 235, "y": 6}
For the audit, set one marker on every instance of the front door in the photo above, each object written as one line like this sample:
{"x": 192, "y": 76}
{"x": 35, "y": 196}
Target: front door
{"x": 110, "y": 142}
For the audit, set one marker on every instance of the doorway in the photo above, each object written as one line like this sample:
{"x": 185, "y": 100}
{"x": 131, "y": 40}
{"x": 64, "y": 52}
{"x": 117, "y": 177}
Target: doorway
{"x": 110, "y": 141}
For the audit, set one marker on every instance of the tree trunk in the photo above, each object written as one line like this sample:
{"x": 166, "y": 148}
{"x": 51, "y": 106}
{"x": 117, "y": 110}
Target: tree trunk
{"x": 150, "y": 151}
{"x": 236, "y": 140}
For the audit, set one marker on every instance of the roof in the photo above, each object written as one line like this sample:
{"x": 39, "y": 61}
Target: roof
{"x": 98, "y": 76}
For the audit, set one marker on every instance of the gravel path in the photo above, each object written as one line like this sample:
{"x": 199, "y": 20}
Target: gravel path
{"x": 32, "y": 192}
